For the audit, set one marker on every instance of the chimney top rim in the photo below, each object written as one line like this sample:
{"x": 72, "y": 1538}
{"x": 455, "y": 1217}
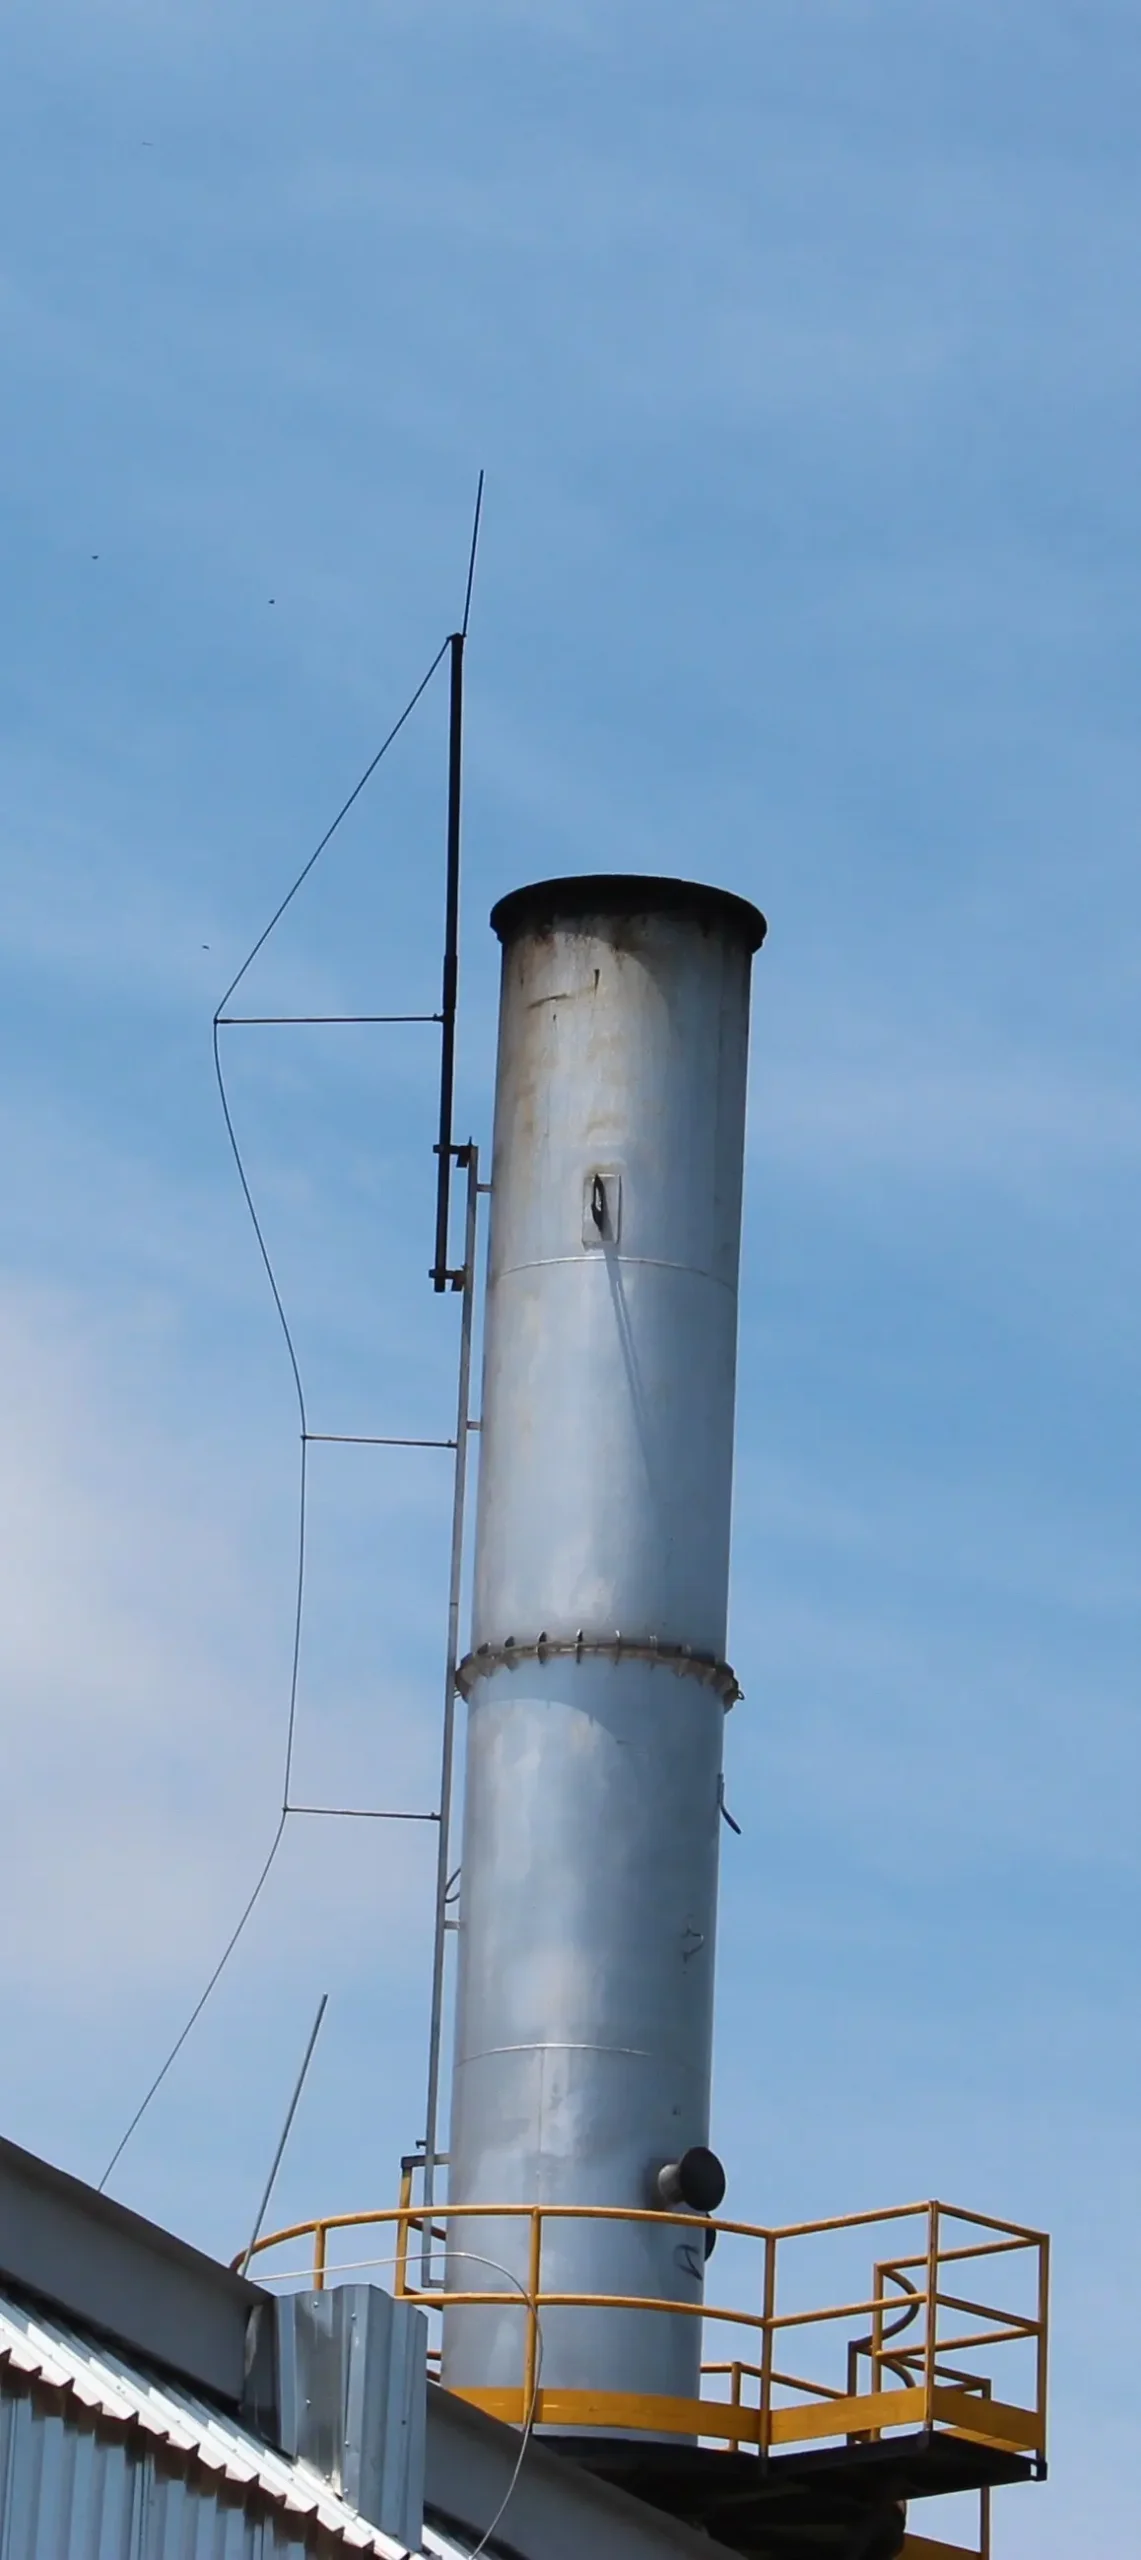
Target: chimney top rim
{"x": 541, "y": 904}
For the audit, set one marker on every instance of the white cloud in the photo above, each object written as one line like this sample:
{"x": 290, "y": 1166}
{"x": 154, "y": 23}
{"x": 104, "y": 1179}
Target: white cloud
{"x": 143, "y": 1658}
{"x": 131, "y": 1737}
{"x": 946, "y": 1108}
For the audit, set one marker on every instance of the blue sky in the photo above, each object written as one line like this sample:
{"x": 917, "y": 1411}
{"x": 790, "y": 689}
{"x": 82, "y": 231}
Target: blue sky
{"x": 800, "y": 344}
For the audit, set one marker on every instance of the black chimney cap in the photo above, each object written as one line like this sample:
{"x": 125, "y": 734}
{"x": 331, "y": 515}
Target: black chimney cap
{"x": 545, "y": 903}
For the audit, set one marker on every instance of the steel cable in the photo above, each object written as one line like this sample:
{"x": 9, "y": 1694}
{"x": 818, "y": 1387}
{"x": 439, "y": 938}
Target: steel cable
{"x": 474, "y": 2257}
{"x": 302, "y": 1501}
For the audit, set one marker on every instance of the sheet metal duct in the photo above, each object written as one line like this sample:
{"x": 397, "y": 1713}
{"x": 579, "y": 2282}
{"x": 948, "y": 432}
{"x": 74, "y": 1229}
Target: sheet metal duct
{"x": 352, "y": 2399}
{"x": 597, "y": 1682}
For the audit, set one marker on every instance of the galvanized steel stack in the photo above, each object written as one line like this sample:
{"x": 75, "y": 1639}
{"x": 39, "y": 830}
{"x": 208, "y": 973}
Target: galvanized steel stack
{"x": 597, "y": 1680}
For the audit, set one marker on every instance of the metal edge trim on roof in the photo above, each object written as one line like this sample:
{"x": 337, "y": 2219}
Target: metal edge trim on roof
{"x": 90, "y": 2260}
{"x": 192, "y": 2436}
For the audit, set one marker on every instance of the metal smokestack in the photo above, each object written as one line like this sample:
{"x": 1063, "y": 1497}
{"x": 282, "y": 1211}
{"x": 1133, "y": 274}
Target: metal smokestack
{"x": 597, "y": 1683}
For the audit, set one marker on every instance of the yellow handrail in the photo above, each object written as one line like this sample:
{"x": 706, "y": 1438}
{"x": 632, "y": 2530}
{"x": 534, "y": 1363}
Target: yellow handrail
{"x": 924, "y": 2392}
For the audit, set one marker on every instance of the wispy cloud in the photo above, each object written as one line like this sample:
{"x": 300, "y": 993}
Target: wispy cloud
{"x": 916, "y": 1108}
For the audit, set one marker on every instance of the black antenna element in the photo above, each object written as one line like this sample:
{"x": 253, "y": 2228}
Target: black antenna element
{"x": 441, "y": 1276}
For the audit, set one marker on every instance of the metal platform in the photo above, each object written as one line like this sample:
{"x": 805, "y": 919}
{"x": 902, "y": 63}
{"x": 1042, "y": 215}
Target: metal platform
{"x": 818, "y": 2463}
{"x": 831, "y": 2502}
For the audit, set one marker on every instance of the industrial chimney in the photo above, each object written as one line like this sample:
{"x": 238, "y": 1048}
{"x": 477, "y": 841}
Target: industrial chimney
{"x": 597, "y": 1682}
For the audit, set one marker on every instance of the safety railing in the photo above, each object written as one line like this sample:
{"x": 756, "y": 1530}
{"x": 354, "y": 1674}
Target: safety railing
{"x": 880, "y": 2360}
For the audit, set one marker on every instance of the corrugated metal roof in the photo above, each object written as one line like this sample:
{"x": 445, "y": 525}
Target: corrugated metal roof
{"x": 187, "y": 2479}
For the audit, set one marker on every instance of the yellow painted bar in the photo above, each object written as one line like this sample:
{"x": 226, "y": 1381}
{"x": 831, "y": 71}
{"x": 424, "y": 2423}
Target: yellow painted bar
{"x": 985, "y": 2311}
{"x": 737, "y": 2424}
{"x": 504, "y": 2404}
{"x": 646, "y": 2413}
{"x": 1016, "y": 2234}
{"x": 857, "y": 2414}
{"x": 963, "y": 2413}
{"x": 972, "y": 2249}
{"x": 640, "y": 2413}
{"x": 990, "y": 2221}
{"x": 959, "y": 2412}
{"x": 919, "y": 2546}
{"x": 969, "y": 2339}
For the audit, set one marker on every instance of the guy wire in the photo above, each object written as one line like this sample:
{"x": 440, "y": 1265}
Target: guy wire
{"x": 473, "y": 2257}
{"x": 302, "y": 1502}
{"x": 342, "y": 812}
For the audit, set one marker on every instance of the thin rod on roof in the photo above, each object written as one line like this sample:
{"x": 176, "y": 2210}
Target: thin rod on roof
{"x": 314, "y": 2032}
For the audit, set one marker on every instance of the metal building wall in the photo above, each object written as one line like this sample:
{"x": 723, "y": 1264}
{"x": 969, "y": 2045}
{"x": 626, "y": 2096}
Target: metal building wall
{"x": 70, "y": 2492}
{"x": 100, "y": 2454}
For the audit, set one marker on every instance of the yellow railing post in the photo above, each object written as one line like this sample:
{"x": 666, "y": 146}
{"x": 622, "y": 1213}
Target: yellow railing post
{"x": 320, "y": 2243}
{"x": 870, "y": 2347}
{"x": 1043, "y": 2333}
{"x": 879, "y": 2288}
{"x": 531, "y": 2355}
{"x": 400, "y": 2278}
{"x": 932, "y": 2315}
{"x": 768, "y": 2318}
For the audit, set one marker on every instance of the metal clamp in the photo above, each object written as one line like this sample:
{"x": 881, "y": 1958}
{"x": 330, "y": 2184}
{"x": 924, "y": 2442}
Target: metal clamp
{"x": 680, "y": 1658}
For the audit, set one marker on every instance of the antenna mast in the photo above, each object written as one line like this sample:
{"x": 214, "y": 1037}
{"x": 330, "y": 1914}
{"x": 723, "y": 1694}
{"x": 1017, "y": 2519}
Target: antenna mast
{"x": 441, "y": 1276}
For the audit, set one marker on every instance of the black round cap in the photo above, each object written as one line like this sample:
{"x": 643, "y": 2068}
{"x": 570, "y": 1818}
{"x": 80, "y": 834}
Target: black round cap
{"x": 546, "y": 903}
{"x": 701, "y": 2179}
